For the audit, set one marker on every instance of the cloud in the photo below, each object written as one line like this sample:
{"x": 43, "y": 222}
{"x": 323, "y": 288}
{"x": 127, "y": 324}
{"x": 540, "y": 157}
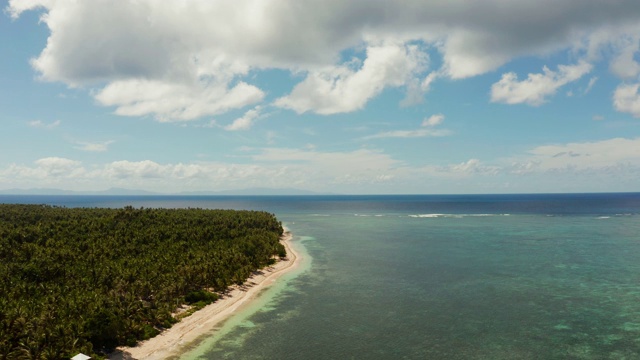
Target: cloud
{"x": 590, "y": 85}
{"x": 270, "y": 167}
{"x": 180, "y": 60}
{"x": 542, "y": 168}
{"x": 209, "y": 125}
{"x": 596, "y": 156}
{"x": 535, "y": 89}
{"x": 626, "y": 99}
{"x": 623, "y": 64}
{"x": 471, "y": 166}
{"x": 341, "y": 89}
{"x": 416, "y": 89}
{"x": 358, "y": 167}
{"x": 56, "y": 164}
{"x": 50, "y": 168}
{"x": 38, "y": 124}
{"x": 145, "y": 169}
{"x": 246, "y": 121}
{"x": 433, "y": 120}
{"x": 94, "y": 146}
{"x": 176, "y": 102}
{"x": 426, "y": 129}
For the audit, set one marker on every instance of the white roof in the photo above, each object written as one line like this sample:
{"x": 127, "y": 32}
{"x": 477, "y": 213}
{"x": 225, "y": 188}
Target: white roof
{"x": 81, "y": 356}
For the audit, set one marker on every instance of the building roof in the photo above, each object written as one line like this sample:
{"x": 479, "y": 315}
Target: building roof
{"x": 81, "y": 356}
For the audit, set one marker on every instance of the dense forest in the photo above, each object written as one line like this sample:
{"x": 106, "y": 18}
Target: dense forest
{"x": 87, "y": 280}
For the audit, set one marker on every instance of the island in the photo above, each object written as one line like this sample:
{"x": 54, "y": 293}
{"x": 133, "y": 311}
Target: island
{"x": 90, "y": 280}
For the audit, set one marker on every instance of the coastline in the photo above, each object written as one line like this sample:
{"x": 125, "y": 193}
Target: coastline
{"x": 169, "y": 342}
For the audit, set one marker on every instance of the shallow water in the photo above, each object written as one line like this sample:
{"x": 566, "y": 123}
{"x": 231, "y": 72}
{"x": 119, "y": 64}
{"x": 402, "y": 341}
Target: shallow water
{"x": 517, "y": 287}
{"x": 475, "y": 277}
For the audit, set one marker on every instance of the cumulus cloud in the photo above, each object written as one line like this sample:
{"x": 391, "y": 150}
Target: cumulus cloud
{"x": 537, "y": 87}
{"x": 174, "y": 102}
{"x": 57, "y": 165}
{"x": 135, "y": 169}
{"x": 623, "y": 64}
{"x": 626, "y": 99}
{"x": 180, "y": 60}
{"x": 246, "y": 121}
{"x": 48, "y": 169}
{"x": 342, "y": 89}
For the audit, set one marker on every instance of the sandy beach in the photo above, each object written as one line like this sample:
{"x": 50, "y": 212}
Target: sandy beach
{"x": 170, "y": 342}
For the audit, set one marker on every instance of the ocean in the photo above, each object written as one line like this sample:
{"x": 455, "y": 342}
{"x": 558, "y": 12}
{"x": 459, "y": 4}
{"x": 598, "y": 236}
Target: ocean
{"x": 548, "y": 276}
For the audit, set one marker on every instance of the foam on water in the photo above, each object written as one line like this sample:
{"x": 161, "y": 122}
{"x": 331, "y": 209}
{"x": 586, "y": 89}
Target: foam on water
{"x": 457, "y": 216}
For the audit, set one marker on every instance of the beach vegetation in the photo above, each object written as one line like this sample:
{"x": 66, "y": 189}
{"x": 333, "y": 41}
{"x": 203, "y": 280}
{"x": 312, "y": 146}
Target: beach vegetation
{"x": 87, "y": 280}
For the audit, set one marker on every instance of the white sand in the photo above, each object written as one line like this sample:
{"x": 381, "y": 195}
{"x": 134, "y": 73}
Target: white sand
{"x": 171, "y": 341}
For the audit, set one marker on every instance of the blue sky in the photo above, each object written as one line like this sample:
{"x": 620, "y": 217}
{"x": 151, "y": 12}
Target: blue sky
{"x": 357, "y": 96}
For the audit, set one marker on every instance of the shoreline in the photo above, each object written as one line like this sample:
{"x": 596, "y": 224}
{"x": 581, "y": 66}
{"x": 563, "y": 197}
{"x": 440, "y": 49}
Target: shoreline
{"x": 169, "y": 342}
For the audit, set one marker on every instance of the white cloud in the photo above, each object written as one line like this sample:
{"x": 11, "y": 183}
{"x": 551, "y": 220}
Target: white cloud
{"x": 433, "y": 120}
{"x": 425, "y": 85}
{"x": 426, "y": 129}
{"x": 341, "y": 89}
{"x": 536, "y": 87}
{"x": 57, "y": 165}
{"x": 246, "y": 121}
{"x": 271, "y": 167}
{"x": 472, "y": 166}
{"x": 50, "y": 168}
{"x": 359, "y": 167}
{"x": 596, "y": 156}
{"x": 416, "y": 89}
{"x": 590, "y": 85}
{"x": 175, "y": 102}
{"x": 623, "y": 64}
{"x": 39, "y": 124}
{"x": 180, "y": 60}
{"x": 94, "y": 146}
{"x": 409, "y": 134}
{"x": 626, "y": 99}
{"x": 15, "y": 8}
{"x": 364, "y": 170}
{"x": 464, "y": 55}
{"x": 135, "y": 169}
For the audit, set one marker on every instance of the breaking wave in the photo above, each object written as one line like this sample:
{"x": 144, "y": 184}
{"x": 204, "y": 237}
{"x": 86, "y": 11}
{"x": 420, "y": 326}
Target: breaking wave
{"x": 454, "y": 215}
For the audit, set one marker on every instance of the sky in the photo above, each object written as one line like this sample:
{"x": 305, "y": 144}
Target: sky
{"x": 330, "y": 96}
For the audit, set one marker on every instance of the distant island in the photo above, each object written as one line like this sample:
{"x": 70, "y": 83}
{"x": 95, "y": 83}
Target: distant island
{"x": 88, "y": 280}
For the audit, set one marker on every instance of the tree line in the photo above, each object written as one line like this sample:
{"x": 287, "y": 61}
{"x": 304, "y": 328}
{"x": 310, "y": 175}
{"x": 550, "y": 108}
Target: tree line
{"x": 90, "y": 279}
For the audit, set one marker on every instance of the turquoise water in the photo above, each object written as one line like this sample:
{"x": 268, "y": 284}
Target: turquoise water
{"x": 476, "y": 277}
{"x": 501, "y": 287}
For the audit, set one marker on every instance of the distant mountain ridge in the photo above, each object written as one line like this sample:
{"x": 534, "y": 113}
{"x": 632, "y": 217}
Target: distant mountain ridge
{"x": 133, "y": 192}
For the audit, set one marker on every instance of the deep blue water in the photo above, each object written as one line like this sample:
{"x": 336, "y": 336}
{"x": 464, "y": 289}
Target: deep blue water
{"x": 541, "y": 204}
{"x": 552, "y": 276}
